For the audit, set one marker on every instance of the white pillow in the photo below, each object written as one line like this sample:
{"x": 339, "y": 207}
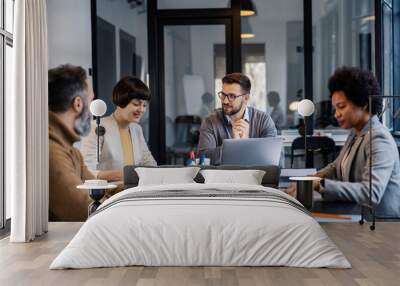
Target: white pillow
{"x": 248, "y": 177}
{"x": 166, "y": 176}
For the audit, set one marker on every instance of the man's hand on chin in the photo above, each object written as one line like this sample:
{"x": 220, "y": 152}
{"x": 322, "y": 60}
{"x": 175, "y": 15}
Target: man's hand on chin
{"x": 240, "y": 129}
{"x": 235, "y": 133}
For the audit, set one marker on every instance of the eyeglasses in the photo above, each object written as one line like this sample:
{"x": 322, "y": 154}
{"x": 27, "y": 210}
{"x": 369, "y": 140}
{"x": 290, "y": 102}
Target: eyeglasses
{"x": 231, "y": 97}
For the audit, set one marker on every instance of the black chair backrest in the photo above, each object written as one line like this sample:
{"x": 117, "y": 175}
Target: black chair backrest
{"x": 187, "y": 129}
{"x": 270, "y": 179}
{"x": 314, "y": 143}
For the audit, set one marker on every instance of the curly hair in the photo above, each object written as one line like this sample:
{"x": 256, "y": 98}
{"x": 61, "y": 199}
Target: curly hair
{"x": 357, "y": 84}
{"x": 128, "y": 88}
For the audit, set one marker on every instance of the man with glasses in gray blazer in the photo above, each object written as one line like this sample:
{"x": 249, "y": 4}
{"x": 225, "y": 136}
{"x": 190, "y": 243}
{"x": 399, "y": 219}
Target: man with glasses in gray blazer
{"x": 235, "y": 120}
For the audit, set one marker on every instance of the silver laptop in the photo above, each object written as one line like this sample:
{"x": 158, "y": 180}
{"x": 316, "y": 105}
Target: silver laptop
{"x": 252, "y": 151}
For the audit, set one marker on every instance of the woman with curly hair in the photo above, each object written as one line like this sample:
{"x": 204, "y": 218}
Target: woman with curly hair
{"x": 347, "y": 178}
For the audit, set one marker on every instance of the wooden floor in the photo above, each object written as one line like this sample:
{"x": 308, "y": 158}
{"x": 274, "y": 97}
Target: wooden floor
{"x": 375, "y": 257}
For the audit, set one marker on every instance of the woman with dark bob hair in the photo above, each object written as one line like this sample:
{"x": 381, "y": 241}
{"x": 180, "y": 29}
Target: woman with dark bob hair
{"x": 347, "y": 178}
{"x": 123, "y": 143}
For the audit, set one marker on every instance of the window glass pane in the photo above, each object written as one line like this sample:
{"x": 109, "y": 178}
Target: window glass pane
{"x": 387, "y": 117}
{"x": 2, "y": 195}
{"x": 1, "y": 15}
{"x": 9, "y": 9}
{"x": 254, "y": 66}
{"x": 343, "y": 35}
{"x": 8, "y": 70}
{"x": 122, "y": 33}
{"x": 190, "y": 83}
{"x": 273, "y": 58}
{"x": 389, "y": 2}
{"x": 203, "y": 4}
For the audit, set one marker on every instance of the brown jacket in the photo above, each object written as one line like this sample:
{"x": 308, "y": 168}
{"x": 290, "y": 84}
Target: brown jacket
{"x": 67, "y": 170}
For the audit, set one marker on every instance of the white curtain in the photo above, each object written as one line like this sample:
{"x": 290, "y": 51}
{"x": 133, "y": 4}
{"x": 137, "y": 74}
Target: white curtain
{"x": 27, "y": 124}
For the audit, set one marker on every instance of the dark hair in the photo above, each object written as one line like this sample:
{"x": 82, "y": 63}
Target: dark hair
{"x": 240, "y": 79}
{"x": 357, "y": 84}
{"x": 129, "y": 88}
{"x": 273, "y": 98}
{"x": 65, "y": 83}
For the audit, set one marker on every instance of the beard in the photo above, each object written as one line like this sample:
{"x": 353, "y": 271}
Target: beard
{"x": 234, "y": 110}
{"x": 83, "y": 121}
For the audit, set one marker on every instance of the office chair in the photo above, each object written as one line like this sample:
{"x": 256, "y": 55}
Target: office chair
{"x": 187, "y": 132}
{"x": 322, "y": 144}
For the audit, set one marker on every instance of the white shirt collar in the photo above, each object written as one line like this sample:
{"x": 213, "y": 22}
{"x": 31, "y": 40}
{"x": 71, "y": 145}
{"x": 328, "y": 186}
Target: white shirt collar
{"x": 246, "y": 116}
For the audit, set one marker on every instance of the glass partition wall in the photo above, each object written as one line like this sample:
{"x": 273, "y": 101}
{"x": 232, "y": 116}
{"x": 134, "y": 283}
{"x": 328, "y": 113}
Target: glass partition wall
{"x": 182, "y": 50}
{"x": 189, "y": 84}
{"x": 119, "y": 31}
{"x": 343, "y": 35}
{"x": 272, "y": 56}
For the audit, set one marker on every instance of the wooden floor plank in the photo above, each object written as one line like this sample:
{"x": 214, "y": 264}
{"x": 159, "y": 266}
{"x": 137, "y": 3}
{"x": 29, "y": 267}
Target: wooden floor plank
{"x": 375, "y": 258}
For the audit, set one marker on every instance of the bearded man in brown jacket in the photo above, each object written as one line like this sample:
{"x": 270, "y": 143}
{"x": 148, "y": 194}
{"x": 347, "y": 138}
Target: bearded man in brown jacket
{"x": 70, "y": 94}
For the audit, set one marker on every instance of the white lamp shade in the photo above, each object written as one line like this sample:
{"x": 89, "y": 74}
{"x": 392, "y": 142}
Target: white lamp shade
{"x": 305, "y": 107}
{"x": 98, "y": 107}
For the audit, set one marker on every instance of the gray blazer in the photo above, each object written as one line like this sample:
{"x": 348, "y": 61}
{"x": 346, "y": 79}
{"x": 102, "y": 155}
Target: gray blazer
{"x": 215, "y": 128}
{"x": 353, "y": 184}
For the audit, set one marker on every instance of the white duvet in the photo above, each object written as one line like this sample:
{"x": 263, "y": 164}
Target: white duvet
{"x": 190, "y": 231}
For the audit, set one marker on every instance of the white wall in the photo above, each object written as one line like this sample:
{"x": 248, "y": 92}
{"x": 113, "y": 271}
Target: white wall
{"x": 203, "y": 39}
{"x": 70, "y": 36}
{"x": 132, "y": 21}
{"x": 273, "y": 35}
{"x": 69, "y": 32}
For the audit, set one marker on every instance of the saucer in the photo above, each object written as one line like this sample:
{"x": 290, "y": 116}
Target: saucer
{"x": 96, "y": 182}
{"x": 96, "y": 187}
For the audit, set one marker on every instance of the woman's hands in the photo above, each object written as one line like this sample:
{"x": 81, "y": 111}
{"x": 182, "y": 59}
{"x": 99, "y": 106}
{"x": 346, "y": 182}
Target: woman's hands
{"x": 291, "y": 190}
{"x": 317, "y": 183}
{"x": 110, "y": 175}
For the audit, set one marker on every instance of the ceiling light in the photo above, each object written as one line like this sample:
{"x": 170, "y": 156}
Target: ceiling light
{"x": 247, "y": 31}
{"x": 247, "y": 8}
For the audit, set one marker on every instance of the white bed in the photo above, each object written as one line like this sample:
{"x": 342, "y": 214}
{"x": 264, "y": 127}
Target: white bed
{"x": 224, "y": 225}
